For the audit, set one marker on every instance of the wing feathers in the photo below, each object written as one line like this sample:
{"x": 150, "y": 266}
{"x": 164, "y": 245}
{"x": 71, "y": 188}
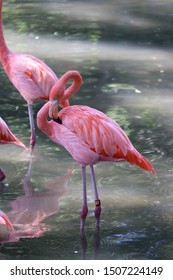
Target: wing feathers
{"x": 97, "y": 130}
{"x": 7, "y": 137}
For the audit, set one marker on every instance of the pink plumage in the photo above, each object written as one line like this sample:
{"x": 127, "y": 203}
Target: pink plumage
{"x": 7, "y": 137}
{"x": 5, "y": 220}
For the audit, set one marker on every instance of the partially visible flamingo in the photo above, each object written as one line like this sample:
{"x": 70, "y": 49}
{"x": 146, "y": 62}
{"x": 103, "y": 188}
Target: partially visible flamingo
{"x": 4, "y": 220}
{"x": 7, "y": 137}
{"x": 87, "y": 134}
{"x": 6, "y": 227}
{"x": 31, "y": 76}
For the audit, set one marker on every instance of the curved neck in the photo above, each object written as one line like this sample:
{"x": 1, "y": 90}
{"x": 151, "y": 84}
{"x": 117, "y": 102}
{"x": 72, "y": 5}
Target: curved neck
{"x": 75, "y": 86}
{"x": 59, "y": 91}
{"x": 3, "y": 47}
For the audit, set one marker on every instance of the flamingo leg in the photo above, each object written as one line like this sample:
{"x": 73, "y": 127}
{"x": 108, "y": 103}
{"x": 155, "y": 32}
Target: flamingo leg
{"x": 84, "y": 210}
{"x": 32, "y": 126}
{"x": 98, "y": 209}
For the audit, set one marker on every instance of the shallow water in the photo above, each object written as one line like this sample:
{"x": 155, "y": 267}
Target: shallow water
{"x": 123, "y": 52}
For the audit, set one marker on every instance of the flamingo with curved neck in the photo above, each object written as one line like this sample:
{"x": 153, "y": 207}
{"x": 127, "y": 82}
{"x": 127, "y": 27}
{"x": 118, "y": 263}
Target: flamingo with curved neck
{"x": 87, "y": 134}
{"x": 31, "y": 77}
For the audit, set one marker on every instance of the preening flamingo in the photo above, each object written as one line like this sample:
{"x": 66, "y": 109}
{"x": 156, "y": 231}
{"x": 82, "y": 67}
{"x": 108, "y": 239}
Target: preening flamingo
{"x": 7, "y": 137}
{"x": 31, "y": 76}
{"x": 87, "y": 134}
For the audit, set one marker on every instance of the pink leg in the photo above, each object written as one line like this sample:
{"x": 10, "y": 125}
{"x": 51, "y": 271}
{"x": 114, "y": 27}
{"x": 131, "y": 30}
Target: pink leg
{"x": 98, "y": 208}
{"x": 32, "y": 126}
{"x": 2, "y": 175}
{"x": 84, "y": 210}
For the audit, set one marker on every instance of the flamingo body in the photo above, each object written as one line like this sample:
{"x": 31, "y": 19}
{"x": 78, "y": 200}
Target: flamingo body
{"x": 100, "y": 135}
{"x": 31, "y": 76}
{"x": 91, "y": 136}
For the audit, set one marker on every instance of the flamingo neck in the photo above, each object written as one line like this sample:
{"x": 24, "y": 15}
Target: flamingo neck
{"x": 50, "y": 128}
{"x": 75, "y": 86}
{"x": 58, "y": 90}
{"x": 3, "y": 47}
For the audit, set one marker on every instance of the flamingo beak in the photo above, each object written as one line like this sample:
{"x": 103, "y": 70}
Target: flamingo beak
{"x": 53, "y": 109}
{"x": 5, "y": 220}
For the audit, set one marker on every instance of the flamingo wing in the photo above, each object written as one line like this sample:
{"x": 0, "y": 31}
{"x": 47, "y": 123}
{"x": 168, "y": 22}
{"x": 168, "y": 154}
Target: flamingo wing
{"x": 97, "y": 130}
{"x": 32, "y": 77}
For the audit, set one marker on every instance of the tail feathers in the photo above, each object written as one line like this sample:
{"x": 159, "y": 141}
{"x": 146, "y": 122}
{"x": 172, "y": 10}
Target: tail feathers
{"x": 7, "y": 137}
{"x": 134, "y": 157}
{"x": 10, "y": 138}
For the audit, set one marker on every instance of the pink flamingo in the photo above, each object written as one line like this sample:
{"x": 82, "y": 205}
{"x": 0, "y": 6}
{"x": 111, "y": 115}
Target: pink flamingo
{"x": 31, "y": 76}
{"x": 7, "y": 137}
{"x": 87, "y": 134}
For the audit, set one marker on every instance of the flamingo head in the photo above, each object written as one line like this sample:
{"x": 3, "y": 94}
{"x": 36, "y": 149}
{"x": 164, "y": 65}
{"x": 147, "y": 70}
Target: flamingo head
{"x": 53, "y": 109}
{"x": 54, "y": 103}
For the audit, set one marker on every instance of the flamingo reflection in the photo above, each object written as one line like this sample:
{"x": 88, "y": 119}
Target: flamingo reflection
{"x": 84, "y": 243}
{"x": 28, "y": 212}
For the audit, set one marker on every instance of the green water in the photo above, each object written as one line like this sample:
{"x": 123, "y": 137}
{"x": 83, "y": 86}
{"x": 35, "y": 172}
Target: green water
{"x": 123, "y": 51}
